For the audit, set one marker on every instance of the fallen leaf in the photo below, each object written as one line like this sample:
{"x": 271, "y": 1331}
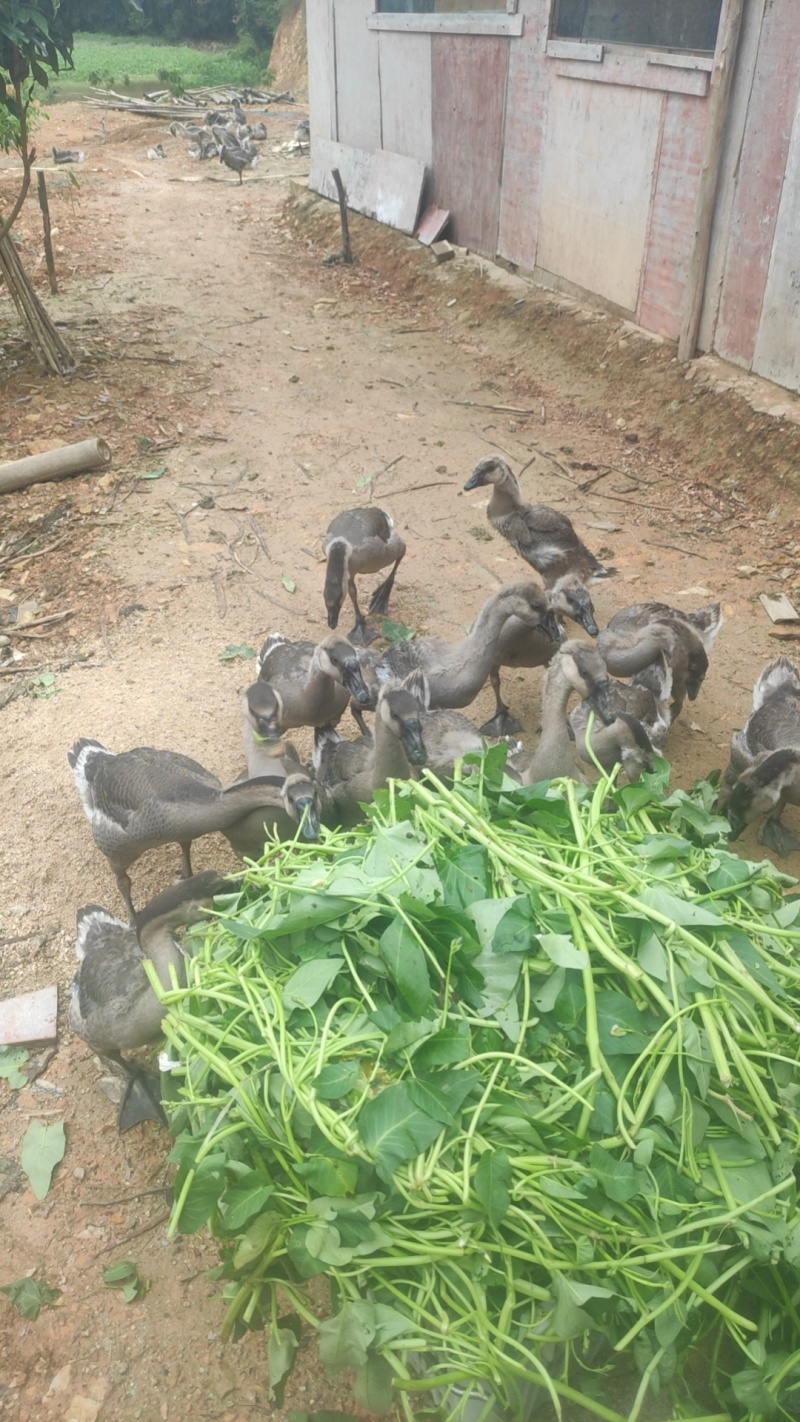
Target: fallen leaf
{"x": 43, "y": 1146}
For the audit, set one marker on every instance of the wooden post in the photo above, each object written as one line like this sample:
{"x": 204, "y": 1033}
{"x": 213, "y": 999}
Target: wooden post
{"x": 347, "y": 255}
{"x": 48, "y": 241}
{"x": 721, "y": 80}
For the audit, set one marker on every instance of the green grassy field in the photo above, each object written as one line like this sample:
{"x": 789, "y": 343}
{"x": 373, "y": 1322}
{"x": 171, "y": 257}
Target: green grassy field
{"x": 128, "y": 62}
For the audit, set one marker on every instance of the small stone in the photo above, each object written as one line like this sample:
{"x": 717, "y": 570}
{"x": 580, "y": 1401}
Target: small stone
{"x": 60, "y": 1381}
{"x": 79, "y": 1172}
{"x": 82, "y": 1409}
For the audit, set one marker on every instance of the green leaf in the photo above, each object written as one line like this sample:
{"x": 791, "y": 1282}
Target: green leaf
{"x": 570, "y": 1317}
{"x": 154, "y": 473}
{"x": 328, "y": 1175}
{"x": 396, "y": 631}
{"x": 289, "y": 583}
{"x": 393, "y": 1129}
{"x": 11, "y": 1059}
{"x": 43, "y": 1147}
{"x": 616, "y": 1178}
{"x": 373, "y": 1385}
{"x": 344, "y": 1340}
{"x": 245, "y": 1199}
{"x": 121, "y": 1273}
{"x": 242, "y": 651}
{"x": 336, "y": 1080}
{"x": 750, "y": 1389}
{"x": 448, "y": 1045}
{"x": 205, "y": 1188}
{"x": 310, "y": 981}
{"x": 257, "y": 1239}
{"x": 680, "y": 911}
{"x": 30, "y": 1295}
{"x": 492, "y": 1181}
{"x": 282, "y": 1342}
{"x": 466, "y": 876}
{"x": 407, "y": 966}
{"x": 561, "y": 950}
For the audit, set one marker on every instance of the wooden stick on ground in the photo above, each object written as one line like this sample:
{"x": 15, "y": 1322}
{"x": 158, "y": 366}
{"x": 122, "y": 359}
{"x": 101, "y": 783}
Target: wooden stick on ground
{"x": 347, "y": 255}
{"x": 48, "y": 240}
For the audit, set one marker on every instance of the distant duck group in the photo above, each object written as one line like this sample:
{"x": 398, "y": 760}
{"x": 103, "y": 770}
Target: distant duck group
{"x": 229, "y": 137}
{"x": 417, "y": 689}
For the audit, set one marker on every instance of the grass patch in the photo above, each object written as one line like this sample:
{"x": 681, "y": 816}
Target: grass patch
{"x": 129, "y": 61}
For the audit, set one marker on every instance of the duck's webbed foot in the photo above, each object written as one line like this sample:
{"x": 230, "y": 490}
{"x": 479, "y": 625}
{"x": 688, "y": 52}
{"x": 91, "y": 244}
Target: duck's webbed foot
{"x": 141, "y": 1099}
{"x": 362, "y": 634}
{"x": 501, "y": 724}
{"x": 777, "y": 837}
{"x": 379, "y": 602}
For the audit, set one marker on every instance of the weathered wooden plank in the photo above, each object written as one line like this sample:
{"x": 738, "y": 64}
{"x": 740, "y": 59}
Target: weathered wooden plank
{"x": 386, "y": 186}
{"x": 469, "y": 86}
{"x": 575, "y": 49}
{"x": 671, "y": 232}
{"x": 405, "y": 69}
{"x": 595, "y": 194}
{"x": 472, "y": 24}
{"x": 762, "y": 164}
{"x": 777, "y": 351}
{"x": 746, "y": 60}
{"x": 358, "y": 98}
{"x": 529, "y": 74}
{"x": 634, "y": 71}
{"x": 321, "y": 69}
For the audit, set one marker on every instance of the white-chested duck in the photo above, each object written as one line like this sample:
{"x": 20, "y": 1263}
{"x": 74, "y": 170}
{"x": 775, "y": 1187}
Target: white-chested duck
{"x": 113, "y": 1007}
{"x": 142, "y": 798}
{"x": 763, "y": 773}
{"x": 360, "y": 541}
{"x": 637, "y": 636}
{"x": 348, "y": 772}
{"x": 575, "y": 667}
{"x": 302, "y": 684}
{"x": 541, "y": 535}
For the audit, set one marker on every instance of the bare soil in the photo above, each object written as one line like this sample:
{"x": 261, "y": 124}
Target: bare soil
{"x": 249, "y": 393}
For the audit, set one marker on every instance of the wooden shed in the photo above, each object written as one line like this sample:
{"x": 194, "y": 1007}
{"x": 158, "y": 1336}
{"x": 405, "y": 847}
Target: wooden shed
{"x": 643, "y": 152}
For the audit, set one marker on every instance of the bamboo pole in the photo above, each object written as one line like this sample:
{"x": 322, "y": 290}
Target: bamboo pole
{"x": 719, "y": 99}
{"x": 48, "y": 240}
{"x": 54, "y": 464}
{"x": 49, "y": 346}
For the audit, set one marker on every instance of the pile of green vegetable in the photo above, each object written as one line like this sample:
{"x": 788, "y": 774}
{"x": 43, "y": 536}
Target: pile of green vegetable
{"x": 516, "y": 1068}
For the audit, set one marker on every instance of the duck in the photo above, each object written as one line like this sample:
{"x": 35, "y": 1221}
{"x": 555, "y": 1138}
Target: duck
{"x": 640, "y": 726}
{"x": 521, "y": 645}
{"x": 237, "y": 159}
{"x": 349, "y": 772}
{"x": 541, "y": 535}
{"x": 258, "y": 131}
{"x": 763, "y": 772}
{"x": 456, "y": 671}
{"x": 577, "y": 666}
{"x": 142, "y": 798}
{"x": 302, "y": 684}
{"x": 636, "y": 636}
{"x": 112, "y": 1005}
{"x": 360, "y": 541}
{"x": 292, "y": 809}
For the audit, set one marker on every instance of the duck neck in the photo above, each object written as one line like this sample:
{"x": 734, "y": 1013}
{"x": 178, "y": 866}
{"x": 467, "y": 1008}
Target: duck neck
{"x": 336, "y": 572}
{"x": 157, "y": 944}
{"x": 505, "y": 497}
{"x": 391, "y": 761}
{"x": 553, "y": 755}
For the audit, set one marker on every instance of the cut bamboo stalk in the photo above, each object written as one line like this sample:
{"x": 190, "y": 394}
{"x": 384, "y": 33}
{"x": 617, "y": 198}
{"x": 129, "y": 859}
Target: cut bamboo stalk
{"x": 54, "y": 464}
{"x": 48, "y": 239}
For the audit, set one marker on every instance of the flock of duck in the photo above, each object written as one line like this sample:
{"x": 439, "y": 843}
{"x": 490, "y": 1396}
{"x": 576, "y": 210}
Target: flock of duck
{"x": 631, "y": 681}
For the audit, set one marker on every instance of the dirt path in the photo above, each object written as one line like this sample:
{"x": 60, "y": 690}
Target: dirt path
{"x": 249, "y": 393}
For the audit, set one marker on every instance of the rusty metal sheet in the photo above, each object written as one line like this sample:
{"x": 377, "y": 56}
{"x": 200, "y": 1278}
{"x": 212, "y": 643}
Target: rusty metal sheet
{"x": 30, "y": 1018}
{"x": 672, "y": 215}
{"x": 386, "y": 186}
{"x": 529, "y": 75}
{"x": 761, "y": 169}
{"x": 468, "y": 75}
{"x": 600, "y": 156}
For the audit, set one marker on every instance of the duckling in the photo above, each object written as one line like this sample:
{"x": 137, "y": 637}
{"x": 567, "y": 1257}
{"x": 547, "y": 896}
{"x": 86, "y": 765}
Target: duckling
{"x": 448, "y": 735}
{"x": 456, "y": 671}
{"x": 524, "y": 646}
{"x": 239, "y": 115}
{"x": 542, "y": 536}
{"x": 763, "y": 773}
{"x": 144, "y": 798}
{"x": 636, "y": 636}
{"x": 349, "y": 772}
{"x": 259, "y": 131}
{"x": 294, "y": 806}
{"x": 360, "y": 541}
{"x": 113, "y": 1007}
{"x": 301, "y": 684}
{"x": 641, "y": 723}
{"x": 237, "y": 159}
{"x": 575, "y": 667}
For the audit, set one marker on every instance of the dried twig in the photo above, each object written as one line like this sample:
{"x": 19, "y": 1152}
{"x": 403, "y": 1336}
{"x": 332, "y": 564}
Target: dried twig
{"x": 414, "y": 488}
{"x": 690, "y": 552}
{"x": 137, "y": 1233}
{"x": 123, "y": 1199}
{"x": 259, "y": 537}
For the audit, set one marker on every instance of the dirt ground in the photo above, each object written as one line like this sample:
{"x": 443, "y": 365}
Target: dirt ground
{"x": 249, "y": 392}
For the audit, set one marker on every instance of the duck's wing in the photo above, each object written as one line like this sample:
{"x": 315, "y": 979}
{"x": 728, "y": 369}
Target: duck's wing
{"x": 359, "y": 525}
{"x": 281, "y": 659}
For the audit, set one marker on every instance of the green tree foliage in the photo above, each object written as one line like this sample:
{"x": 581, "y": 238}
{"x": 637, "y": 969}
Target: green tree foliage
{"x": 35, "y": 42}
{"x": 252, "y": 22}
